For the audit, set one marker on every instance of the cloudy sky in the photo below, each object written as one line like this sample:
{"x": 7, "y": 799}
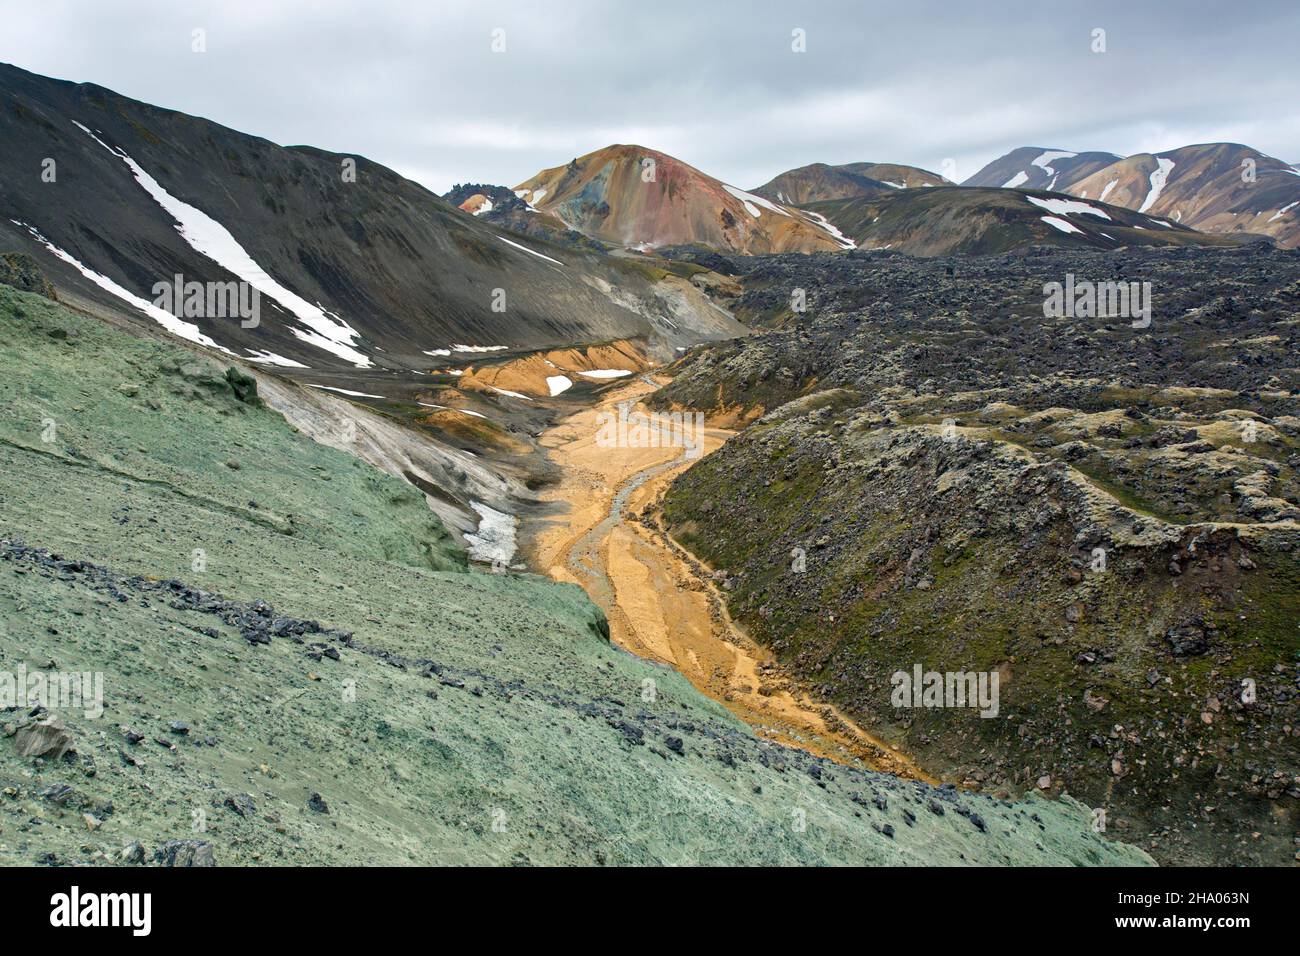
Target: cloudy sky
{"x": 417, "y": 85}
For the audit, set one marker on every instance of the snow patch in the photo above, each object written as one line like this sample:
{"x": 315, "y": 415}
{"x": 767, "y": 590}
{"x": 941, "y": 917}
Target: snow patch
{"x": 1016, "y": 180}
{"x": 448, "y": 408}
{"x": 1065, "y": 207}
{"x": 821, "y": 221}
{"x": 1283, "y": 211}
{"x": 1159, "y": 177}
{"x": 1061, "y": 224}
{"x": 558, "y": 384}
{"x": 324, "y": 330}
{"x": 345, "y": 391}
{"x": 1050, "y": 155}
{"x": 1106, "y": 192}
{"x": 607, "y": 373}
{"x": 504, "y": 391}
{"x": 750, "y": 201}
{"x": 495, "y": 538}
{"x": 270, "y": 358}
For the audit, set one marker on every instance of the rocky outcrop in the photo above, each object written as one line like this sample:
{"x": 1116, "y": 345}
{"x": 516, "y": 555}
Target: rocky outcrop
{"x": 21, "y": 271}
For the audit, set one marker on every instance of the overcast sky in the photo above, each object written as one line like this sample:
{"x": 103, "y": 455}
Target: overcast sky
{"x": 417, "y": 86}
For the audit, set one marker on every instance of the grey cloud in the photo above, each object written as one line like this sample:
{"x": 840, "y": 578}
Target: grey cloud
{"x": 416, "y": 86}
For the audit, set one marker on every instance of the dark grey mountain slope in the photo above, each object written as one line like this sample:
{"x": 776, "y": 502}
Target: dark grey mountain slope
{"x": 372, "y": 269}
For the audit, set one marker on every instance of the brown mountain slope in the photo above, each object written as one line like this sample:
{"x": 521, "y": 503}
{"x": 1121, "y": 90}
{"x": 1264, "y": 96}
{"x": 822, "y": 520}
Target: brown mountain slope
{"x": 640, "y": 198}
{"x": 897, "y": 175}
{"x": 819, "y": 182}
{"x": 1215, "y": 187}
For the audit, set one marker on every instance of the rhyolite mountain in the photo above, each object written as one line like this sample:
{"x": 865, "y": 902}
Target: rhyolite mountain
{"x": 818, "y": 182}
{"x": 638, "y": 198}
{"x": 357, "y": 266}
{"x": 1223, "y": 188}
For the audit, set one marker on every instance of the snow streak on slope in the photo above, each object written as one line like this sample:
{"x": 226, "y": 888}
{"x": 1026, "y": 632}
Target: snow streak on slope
{"x": 1158, "y": 179}
{"x": 206, "y": 235}
{"x": 345, "y": 391}
{"x": 820, "y": 220}
{"x": 178, "y": 327}
{"x": 270, "y": 358}
{"x": 1061, "y": 224}
{"x": 1283, "y": 211}
{"x": 751, "y": 201}
{"x": 506, "y": 391}
{"x": 529, "y": 251}
{"x": 1016, "y": 180}
{"x": 1065, "y": 207}
{"x": 1106, "y": 192}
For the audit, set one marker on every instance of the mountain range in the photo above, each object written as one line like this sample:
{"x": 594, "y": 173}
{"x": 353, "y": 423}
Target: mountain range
{"x": 1220, "y": 188}
{"x": 636, "y": 198}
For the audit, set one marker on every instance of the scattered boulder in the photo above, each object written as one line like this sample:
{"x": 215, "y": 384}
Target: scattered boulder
{"x": 44, "y": 738}
{"x": 186, "y": 853}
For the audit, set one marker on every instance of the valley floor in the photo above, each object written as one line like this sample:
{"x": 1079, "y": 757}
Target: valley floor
{"x": 661, "y": 601}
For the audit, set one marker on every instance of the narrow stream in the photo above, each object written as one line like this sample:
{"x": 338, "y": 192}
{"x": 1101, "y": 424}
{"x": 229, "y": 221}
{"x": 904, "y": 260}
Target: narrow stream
{"x": 584, "y": 556}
